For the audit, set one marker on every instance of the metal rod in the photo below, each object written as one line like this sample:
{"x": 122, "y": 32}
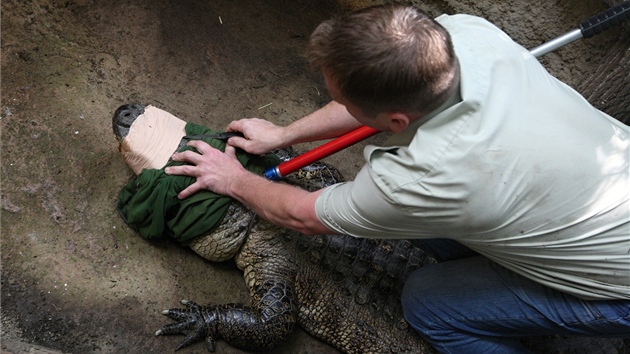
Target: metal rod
{"x": 556, "y": 43}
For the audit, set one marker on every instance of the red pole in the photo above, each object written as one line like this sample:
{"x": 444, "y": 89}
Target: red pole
{"x": 331, "y": 147}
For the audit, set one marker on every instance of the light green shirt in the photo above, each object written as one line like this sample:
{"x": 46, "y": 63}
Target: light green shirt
{"x": 521, "y": 169}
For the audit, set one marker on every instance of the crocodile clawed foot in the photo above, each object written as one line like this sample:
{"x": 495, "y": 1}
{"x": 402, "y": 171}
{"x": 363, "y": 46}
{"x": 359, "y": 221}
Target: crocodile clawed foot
{"x": 191, "y": 322}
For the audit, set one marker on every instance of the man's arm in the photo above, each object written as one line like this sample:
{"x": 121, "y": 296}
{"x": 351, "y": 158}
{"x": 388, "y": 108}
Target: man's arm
{"x": 220, "y": 172}
{"x": 262, "y": 136}
{"x": 280, "y": 203}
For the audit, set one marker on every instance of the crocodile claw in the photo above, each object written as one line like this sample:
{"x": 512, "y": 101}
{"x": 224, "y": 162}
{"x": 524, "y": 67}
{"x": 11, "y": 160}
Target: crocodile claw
{"x": 191, "y": 322}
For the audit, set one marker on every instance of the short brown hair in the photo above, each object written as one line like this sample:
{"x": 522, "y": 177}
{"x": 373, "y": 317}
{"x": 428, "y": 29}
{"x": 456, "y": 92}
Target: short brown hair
{"x": 387, "y": 58}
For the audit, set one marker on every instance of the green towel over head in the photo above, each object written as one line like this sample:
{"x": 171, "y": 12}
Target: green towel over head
{"x": 149, "y": 203}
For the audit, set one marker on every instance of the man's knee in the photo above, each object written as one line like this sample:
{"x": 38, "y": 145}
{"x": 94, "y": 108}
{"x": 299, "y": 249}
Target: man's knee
{"x": 419, "y": 296}
{"x": 437, "y": 293}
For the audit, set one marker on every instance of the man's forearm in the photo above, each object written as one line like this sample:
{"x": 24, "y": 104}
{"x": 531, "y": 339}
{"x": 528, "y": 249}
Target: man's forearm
{"x": 280, "y": 203}
{"x": 328, "y": 122}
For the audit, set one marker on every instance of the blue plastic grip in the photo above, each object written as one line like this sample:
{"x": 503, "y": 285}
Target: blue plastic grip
{"x": 273, "y": 174}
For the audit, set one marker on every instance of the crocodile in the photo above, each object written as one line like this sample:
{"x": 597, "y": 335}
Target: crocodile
{"x": 341, "y": 289}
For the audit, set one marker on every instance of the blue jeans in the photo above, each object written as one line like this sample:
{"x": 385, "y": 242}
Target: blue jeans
{"x": 469, "y": 304}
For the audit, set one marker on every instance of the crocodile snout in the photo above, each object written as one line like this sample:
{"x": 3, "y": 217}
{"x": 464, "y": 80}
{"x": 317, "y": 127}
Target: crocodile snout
{"x": 124, "y": 117}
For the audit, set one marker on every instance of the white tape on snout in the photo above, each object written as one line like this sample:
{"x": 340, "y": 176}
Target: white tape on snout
{"x": 153, "y": 138}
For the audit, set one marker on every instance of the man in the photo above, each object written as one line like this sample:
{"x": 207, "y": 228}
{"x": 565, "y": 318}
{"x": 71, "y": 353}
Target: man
{"x": 510, "y": 176}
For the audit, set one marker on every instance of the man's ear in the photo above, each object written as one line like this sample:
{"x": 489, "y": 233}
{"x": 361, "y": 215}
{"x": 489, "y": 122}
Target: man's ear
{"x": 398, "y": 122}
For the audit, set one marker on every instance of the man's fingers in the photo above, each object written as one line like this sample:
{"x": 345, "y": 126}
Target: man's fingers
{"x": 230, "y": 150}
{"x": 185, "y": 170}
{"x": 241, "y": 124}
{"x": 251, "y": 146}
{"x": 237, "y": 141}
{"x": 190, "y": 190}
{"x": 192, "y": 156}
{"x": 235, "y": 126}
{"x": 201, "y": 146}
{"x": 210, "y": 168}
{"x": 187, "y": 156}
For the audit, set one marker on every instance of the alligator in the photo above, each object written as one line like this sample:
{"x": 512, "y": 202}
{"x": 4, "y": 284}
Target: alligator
{"x": 341, "y": 289}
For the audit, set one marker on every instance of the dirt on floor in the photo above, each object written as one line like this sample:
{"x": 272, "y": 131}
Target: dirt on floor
{"x": 75, "y": 278}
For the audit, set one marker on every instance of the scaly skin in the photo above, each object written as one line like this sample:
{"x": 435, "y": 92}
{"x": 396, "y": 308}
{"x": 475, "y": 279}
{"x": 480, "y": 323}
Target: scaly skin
{"x": 341, "y": 289}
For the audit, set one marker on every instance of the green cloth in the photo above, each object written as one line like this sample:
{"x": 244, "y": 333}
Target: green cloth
{"x": 149, "y": 202}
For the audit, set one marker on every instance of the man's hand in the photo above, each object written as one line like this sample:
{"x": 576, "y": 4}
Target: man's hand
{"x": 261, "y": 136}
{"x": 213, "y": 169}
{"x": 280, "y": 203}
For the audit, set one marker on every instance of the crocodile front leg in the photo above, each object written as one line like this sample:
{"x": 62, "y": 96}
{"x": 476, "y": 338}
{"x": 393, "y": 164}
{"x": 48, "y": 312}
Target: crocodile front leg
{"x": 259, "y": 327}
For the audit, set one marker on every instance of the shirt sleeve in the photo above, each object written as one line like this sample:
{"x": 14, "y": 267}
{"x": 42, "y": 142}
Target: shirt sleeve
{"x": 359, "y": 208}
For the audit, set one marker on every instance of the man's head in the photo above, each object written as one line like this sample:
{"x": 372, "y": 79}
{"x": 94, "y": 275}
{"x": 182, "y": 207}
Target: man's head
{"x": 386, "y": 59}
